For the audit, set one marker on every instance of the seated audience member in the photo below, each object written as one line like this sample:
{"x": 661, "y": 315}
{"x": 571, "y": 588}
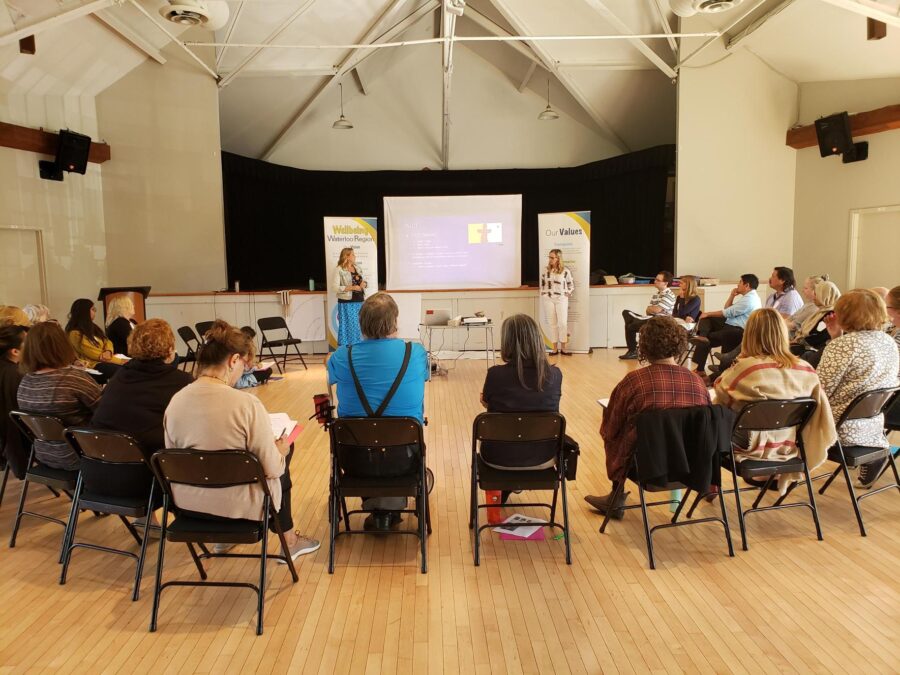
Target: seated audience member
{"x": 135, "y": 401}
{"x": 687, "y": 304}
{"x": 377, "y": 362}
{"x": 53, "y": 386}
{"x": 785, "y": 300}
{"x": 810, "y": 307}
{"x": 766, "y": 370}
{"x": 813, "y": 334}
{"x": 892, "y": 303}
{"x": 252, "y": 375}
{"x": 119, "y": 323}
{"x": 724, "y": 328}
{"x": 210, "y": 414}
{"x": 662, "y": 302}
{"x": 12, "y": 339}
{"x": 91, "y": 345}
{"x": 37, "y": 313}
{"x": 660, "y": 385}
{"x": 525, "y": 382}
{"x": 13, "y": 316}
{"x": 860, "y": 357}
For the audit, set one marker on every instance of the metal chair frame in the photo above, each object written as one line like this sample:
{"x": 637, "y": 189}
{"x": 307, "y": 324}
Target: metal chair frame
{"x": 373, "y": 434}
{"x": 211, "y": 470}
{"x": 515, "y": 427}
{"x": 189, "y": 337}
{"x": 120, "y": 449}
{"x": 273, "y": 323}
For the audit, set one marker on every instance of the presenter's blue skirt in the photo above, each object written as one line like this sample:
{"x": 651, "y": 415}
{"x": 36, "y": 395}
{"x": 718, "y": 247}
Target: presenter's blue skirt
{"x": 348, "y": 323}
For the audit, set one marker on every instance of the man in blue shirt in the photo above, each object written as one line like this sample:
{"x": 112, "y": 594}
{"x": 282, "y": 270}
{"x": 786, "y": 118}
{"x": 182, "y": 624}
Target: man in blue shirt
{"x": 724, "y": 328}
{"x": 377, "y": 361}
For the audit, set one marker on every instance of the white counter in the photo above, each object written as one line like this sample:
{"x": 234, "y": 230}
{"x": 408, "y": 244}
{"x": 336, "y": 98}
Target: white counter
{"x": 305, "y": 311}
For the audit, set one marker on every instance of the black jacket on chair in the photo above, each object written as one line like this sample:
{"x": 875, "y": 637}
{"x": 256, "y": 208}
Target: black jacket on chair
{"x": 683, "y": 445}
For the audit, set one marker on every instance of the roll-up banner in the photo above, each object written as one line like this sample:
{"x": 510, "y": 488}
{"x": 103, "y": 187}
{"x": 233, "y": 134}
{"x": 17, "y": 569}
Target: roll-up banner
{"x": 362, "y": 235}
{"x": 570, "y": 232}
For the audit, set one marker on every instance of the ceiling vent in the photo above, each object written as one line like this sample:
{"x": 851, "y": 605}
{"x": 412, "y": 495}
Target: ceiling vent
{"x": 687, "y": 8}
{"x": 209, "y": 14}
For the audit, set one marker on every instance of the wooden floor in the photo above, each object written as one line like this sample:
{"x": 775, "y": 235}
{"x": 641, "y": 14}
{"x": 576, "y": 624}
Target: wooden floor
{"x": 790, "y": 604}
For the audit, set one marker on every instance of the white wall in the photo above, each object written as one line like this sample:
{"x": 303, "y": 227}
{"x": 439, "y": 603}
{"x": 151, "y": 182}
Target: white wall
{"x": 828, "y": 190}
{"x": 399, "y": 127}
{"x": 162, "y": 189}
{"x": 735, "y": 194}
{"x": 70, "y": 213}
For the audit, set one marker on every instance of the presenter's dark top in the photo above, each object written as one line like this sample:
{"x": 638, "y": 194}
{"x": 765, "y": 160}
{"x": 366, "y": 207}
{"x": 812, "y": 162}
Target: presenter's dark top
{"x": 118, "y": 332}
{"x": 683, "y": 309}
{"x": 358, "y": 296}
{"x": 504, "y": 393}
{"x": 135, "y": 401}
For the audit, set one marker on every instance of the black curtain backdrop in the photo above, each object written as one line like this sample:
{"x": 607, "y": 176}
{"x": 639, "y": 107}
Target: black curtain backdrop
{"x": 273, "y": 214}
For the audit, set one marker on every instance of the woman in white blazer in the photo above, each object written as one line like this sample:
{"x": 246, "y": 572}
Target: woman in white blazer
{"x": 557, "y": 286}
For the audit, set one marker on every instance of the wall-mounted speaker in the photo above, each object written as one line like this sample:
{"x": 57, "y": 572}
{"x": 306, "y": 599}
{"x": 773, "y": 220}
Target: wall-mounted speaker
{"x": 836, "y": 138}
{"x": 72, "y": 152}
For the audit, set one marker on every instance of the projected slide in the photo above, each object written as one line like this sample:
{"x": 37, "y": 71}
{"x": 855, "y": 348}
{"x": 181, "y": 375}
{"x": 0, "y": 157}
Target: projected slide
{"x": 435, "y": 243}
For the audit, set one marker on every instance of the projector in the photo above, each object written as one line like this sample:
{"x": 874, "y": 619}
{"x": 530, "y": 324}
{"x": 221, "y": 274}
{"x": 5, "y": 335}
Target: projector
{"x": 475, "y": 320}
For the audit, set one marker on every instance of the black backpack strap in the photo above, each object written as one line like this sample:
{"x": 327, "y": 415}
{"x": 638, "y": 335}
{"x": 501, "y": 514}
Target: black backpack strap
{"x": 393, "y": 390}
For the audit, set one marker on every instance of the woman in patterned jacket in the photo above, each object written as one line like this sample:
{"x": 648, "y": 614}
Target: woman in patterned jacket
{"x": 557, "y": 286}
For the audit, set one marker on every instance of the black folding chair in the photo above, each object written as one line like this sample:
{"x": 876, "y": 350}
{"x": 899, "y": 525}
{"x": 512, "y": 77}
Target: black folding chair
{"x": 49, "y": 429}
{"x": 645, "y": 484}
{"x": 214, "y": 470}
{"x": 545, "y": 429}
{"x": 187, "y": 335}
{"x": 689, "y": 352}
{"x": 771, "y": 416}
{"x": 114, "y": 452}
{"x": 360, "y": 448}
{"x": 202, "y": 327}
{"x": 865, "y": 406}
{"x": 277, "y": 323}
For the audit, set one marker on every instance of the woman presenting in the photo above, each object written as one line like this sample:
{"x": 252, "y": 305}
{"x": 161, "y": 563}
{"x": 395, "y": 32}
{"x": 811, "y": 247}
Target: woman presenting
{"x": 350, "y": 285}
{"x": 557, "y": 285}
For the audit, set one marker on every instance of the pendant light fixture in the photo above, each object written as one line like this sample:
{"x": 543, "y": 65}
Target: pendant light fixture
{"x": 342, "y": 122}
{"x": 548, "y": 112}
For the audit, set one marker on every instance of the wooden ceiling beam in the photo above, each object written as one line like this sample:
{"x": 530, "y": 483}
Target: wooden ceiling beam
{"x": 861, "y": 124}
{"x": 44, "y": 142}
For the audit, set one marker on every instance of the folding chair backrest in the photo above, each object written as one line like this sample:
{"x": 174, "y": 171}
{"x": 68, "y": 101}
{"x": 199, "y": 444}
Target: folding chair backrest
{"x": 40, "y": 427}
{"x": 187, "y": 335}
{"x": 775, "y": 414}
{"x": 105, "y": 446}
{"x": 869, "y": 404}
{"x": 271, "y": 323}
{"x": 207, "y": 469}
{"x": 355, "y": 440}
{"x": 202, "y": 327}
{"x": 526, "y": 427}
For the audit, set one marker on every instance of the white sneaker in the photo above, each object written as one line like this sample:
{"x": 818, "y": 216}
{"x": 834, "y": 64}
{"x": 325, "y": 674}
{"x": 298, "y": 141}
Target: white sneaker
{"x": 222, "y": 548}
{"x": 302, "y": 546}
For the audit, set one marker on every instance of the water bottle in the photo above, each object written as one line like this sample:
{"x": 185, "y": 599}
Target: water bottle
{"x": 312, "y": 284}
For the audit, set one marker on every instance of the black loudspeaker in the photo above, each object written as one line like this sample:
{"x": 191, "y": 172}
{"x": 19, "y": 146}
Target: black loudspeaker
{"x": 72, "y": 152}
{"x": 836, "y": 138}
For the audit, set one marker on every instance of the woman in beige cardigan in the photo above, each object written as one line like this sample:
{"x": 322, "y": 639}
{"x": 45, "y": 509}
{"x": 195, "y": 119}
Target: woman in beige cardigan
{"x": 210, "y": 414}
{"x": 767, "y": 370}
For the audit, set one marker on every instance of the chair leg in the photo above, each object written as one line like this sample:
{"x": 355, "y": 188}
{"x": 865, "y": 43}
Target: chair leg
{"x": 812, "y": 499}
{"x": 690, "y": 513}
{"x": 737, "y": 500}
{"x": 422, "y": 517}
{"x": 477, "y": 547}
{"x": 647, "y": 535}
{"x": 428, "y": 512}
{"x": 131, "y": 530}
{"x": 300, "y": 354}
{"x": 69, "y": 535}
{"x": 681, "y": 504}
{"x": 332, "y": 527}
{"x": 894, "y": 468}
{"x": 787, "y": 493}
{"x": 139, "y": 572}
{"x": 831, "y": 478}
{"x": 3, "y": 485}
{"x": 18, "y": 520}
{"x": 263, "y": 557}
{"x": 157, "y": 590}
{"x": 853, "y": 498}
{"x": 565, "y": 506}
{"x": 553, "y": 505}
{"x": 473, "y": 504}
{"x": 346, "y": 512}
{"x": 197, "y": 561}
{"x": 68, "y": 532}
{"x": 618, "y": 486}
{"x": 763, "y": 492}
{"x": 725, "y": 519}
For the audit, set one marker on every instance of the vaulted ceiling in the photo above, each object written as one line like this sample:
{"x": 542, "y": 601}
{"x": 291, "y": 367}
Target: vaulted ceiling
{"x": 278, "y": 62}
